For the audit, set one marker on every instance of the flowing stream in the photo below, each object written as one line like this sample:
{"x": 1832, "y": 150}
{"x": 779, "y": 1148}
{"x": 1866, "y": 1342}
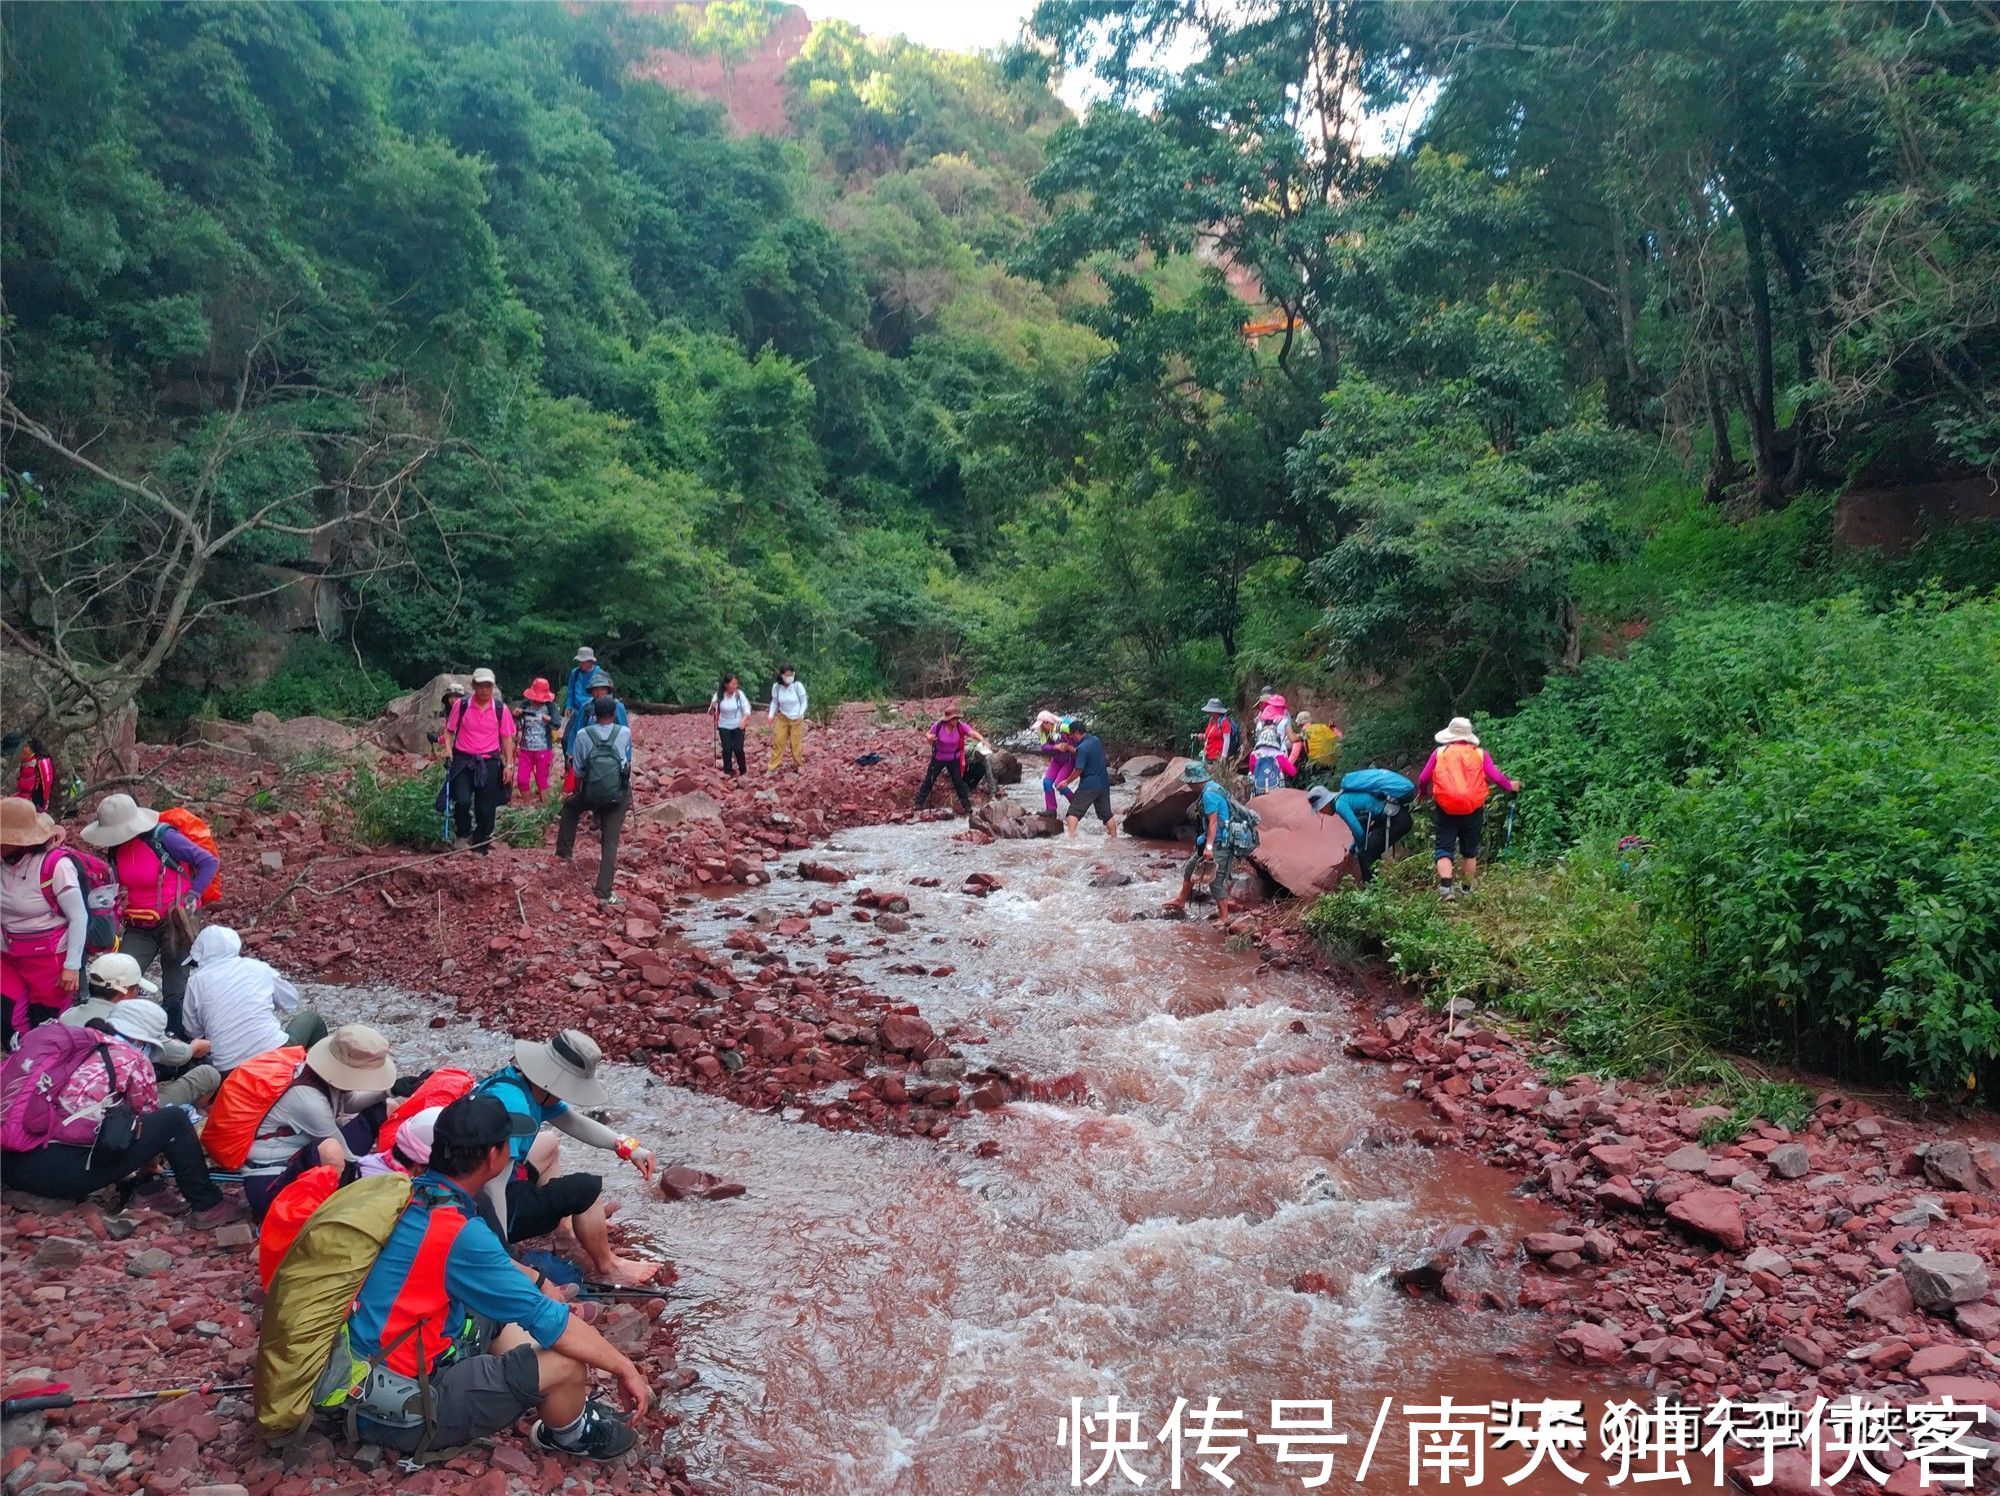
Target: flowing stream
{"x": 878, "y": 1315}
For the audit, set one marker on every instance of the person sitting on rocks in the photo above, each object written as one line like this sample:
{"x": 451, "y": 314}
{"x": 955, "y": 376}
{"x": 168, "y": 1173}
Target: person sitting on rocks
{"x": 233, "y": 1002}
{"x": 1212, "y": 847}
{"x": 329, "y": 1113}
{"x": 443, "y": 1269}
{"x": 102, "y": 1124}
{"x": 547, "y": 1080}
{"x": 181, "y": 1079}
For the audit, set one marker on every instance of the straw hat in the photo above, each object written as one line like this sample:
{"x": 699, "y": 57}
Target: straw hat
{"x": 565, "y": 1066}
{"x": 120, "y": 973}
{"x": 119, "y": 819}
{"x": 1459, "y": 730}
{"x": 21, "y": 825}
{"x": 353, "y": 1057}
{"x": 538, "y": 690}
{"x": 139, "y": 1019}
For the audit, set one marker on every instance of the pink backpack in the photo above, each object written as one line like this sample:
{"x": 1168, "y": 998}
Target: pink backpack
{"x": 31, "y": 1079}
{"x": 100, "y": 895}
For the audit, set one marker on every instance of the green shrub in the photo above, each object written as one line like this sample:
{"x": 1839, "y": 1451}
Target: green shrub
{"x": 404, "y": 812}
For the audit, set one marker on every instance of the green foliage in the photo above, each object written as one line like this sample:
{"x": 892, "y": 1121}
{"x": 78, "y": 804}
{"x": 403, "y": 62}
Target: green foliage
{"x": 396, "y": 812}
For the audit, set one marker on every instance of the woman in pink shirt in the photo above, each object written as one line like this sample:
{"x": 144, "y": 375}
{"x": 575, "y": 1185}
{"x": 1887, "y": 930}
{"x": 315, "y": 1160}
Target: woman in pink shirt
{"x": 478, "y": 744}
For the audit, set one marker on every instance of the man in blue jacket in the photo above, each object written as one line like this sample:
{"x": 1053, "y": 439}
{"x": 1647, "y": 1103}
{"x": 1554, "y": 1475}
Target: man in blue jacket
{"x": 1090, "y": 783}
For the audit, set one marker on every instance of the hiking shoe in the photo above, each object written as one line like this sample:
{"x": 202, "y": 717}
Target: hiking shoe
{"x": 1447, "y": 892}
{"x": 217, "y": 1216}
{"x": 609, "y": 900}
{"x": 602, "y": 1437}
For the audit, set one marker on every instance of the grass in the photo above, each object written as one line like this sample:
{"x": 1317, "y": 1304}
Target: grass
{"x": 404, "y": 813}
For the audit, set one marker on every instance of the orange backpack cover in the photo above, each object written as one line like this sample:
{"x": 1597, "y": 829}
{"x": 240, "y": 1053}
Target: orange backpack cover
{"x": 1458, "y": 783}
{"x": 440, "y": 1088}
{"x": 288, "y": 1215}
{"x": 248, "y": 1093}
{"x": 198, "y": 831}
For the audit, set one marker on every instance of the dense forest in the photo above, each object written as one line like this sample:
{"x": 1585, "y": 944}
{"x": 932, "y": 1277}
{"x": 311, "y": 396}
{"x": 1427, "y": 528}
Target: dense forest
{"x": 1424, "y": 358}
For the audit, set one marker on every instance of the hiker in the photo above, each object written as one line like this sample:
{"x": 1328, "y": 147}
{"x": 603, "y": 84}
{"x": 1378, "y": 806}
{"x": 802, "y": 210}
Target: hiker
{"x": 787, "y": 716}
{"x": 949, "y": 736}
{"x": 1270, "y": 745}
{"x": 82, "y": 1113}
{"x": 44, "y": 921}
{"x": 327, "y": 1113}
{"x": 1375, "y": 804}
{"x": 1214, "y": 846}
{"x": 449, "y": 1340}
{"x": 602, "y": 762}
{"x": 34, "y": 770}
{"x": 234, "y": 1003}
{"x": 534, "y": 731}
{"x": 478, "y": 745}
{"x": 1090, "y": 781}
{"x": 1218, "y": 739}
{"x": 979, "y": 770}
{"x": 1057, "y": 747}
{"x": 543, "y": 1085}
{"x": 1457, "y": 777}
{"x": 576, "y": 696}
{"x": 161, "y": 876}
{"x": 729, "y": 709}
{"x": 120, "y": 1002}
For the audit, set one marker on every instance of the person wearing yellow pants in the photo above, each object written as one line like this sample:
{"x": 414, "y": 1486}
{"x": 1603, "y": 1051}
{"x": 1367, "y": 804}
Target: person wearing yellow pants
{"x": 788, "y": 719}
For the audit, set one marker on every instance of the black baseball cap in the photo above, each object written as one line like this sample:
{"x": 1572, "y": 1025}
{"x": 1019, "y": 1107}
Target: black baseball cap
{"x": 478, "y": 1122}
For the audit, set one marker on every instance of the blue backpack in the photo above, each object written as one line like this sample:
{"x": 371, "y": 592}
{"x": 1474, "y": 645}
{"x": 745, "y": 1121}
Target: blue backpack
{"x": 1380, "y": 785}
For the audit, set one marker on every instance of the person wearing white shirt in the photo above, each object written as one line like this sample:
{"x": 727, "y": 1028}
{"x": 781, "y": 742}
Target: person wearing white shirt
{"x": 233, "y": 1002}
{"x": 729, "y": 709}
{"x": 788, "y": 719}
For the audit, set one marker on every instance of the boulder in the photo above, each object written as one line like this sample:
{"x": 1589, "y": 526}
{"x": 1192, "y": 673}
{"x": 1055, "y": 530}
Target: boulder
{"x": 1940, "y": 1280}
{"x": 1713, "y": 1214}
{"x": 1014, "y": 820}
{"x": 1300, "y": 850}
{"x": 1145, "y": 766}
{"x": 1162, "y": 806}
{"x": 1591, "y": 1344}
{"x": 407, "y": 722}
{"x": 267, "y": 736}
{"x": 678, "y": 810}
{"x": 1006, "y": 766}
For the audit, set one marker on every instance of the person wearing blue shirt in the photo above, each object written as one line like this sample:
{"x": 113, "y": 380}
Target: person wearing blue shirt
{"x": 1090, "y": 782}
{"x": 1212, "y": 846}
{"x": 445, "y": 1310}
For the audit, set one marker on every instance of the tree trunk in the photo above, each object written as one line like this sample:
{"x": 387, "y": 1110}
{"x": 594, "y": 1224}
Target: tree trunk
{"x": 1722, "y": 456}
{"x": 1762, "y": 401}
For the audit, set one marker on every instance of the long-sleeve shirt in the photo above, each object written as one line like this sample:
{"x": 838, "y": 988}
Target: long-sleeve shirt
{"x": 621, "y": 739}
{"x": 512, "y": 1087}
{"x": 789, "y": 701}
{"x": 731, "y": 711}
{"x": 198, "y": 865}
{"x": 1493, "y": 774}
{"x": 25, "y": 911}
{"x": 304, "y": 1114}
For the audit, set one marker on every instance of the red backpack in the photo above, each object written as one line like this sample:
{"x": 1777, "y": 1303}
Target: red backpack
{"x": 248, "y": 1093}
{"x": 198, "y": 831}
{"x": 439, "y": 1088}
{"x": 100, "y": 895}
{"x": 288, "y": 1215}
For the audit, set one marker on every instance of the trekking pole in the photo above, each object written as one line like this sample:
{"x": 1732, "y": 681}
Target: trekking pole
{"x": 57, "y": 1395}
{"x": 1507, "y": 837}
{"x": 619, "y": 1291}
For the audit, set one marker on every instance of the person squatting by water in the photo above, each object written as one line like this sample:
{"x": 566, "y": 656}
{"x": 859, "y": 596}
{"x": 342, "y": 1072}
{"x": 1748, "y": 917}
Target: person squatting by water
{"x": 602, "y": 763}
{"x": 1458, "y": 776}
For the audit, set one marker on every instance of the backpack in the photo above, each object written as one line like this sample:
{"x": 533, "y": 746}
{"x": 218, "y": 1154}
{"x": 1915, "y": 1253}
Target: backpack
{"x": 34, "y": 1076}
{"x": 1458, "y": 783}
{"x": 1241, "y": 831}
{"x": 198, "y": 831}
{"x": 310, "y": 1294}
{"x": 288, "y": 1214}
{"x": 439, "y": 1088}
{"x": 1271, "y": 737}
{"x": 100, "y": 896}
{"x": 248, "y": 1093}
{"x": 602, "y": 778}
{"x": 1381, "y": 785}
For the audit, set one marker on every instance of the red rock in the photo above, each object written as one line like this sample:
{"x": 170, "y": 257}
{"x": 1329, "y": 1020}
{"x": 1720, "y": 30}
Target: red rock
{"x": 1714, "y": 1215}
{"x": 905, "y": 1031}
{"x": 1939, "y": 1360}
{"x": 1591, "y": 1344}
{"x": 1615, "y": 1158}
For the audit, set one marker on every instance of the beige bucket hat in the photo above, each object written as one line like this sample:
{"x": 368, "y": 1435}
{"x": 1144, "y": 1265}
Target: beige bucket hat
{"x": 1458, "y": 730}
{"x": 119, "y": 819}
{"x": 354, "y": 1057}
{"x": 21, "y": 825}
{"x": 565, "y": 1066}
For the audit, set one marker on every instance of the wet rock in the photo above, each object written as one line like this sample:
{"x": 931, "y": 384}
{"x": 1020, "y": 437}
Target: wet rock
{"x": 1109, "y": 877}
{"x": 1300, "y": 850}
{"x": 1550, "y": 1244}
{"x": 1163, "y": 803}
{"x": 891, "y": 924}
{"x": 690, "y": 1184}
{"x": 1013, "y": 820}
{"x": 1714, "y": 1215}
{"x": 906, "y": 1032}
{"x": 979, "y": 885}
{"x": 1591, "y": 1344}
{"x": 1940, "y": 1280}
{"x": 820, "y": 872}
{"x": 1789, "y": 1161}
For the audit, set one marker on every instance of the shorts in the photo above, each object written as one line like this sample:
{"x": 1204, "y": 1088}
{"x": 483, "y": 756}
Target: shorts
{"x": 1458, "y": 836}
{"x": 536, "y": 1207}
{"x": 1225, "y": 868}
{"x": 476, "y": 1396}
{"x": 1084, "y": 801}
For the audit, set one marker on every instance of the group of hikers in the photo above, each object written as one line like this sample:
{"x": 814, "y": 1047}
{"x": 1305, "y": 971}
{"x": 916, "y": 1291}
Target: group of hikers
{"x": 1075, "y": 765}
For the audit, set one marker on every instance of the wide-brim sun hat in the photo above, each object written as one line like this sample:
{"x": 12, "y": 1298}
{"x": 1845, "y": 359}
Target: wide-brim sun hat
{"x": 1195, "y": 773}
{"x": 565, "y": 1066}
{"x": 139, "y": 1019}
{"x": 119, "y": 972}
{"x": 538, "y": 690}
{"x": 953, "y": 710}
{"x": 1458, "y": 730}
{"x": 1215, "y": 708}
{"x": 353, "y": 1057}
{"x": 119, "y": 819}
{"x": 1274, "y": 711}
{"x": 1046, "y": 719}
{"x": 586, "y": 656}
{"x": 21, "y": 825}
{"x": 597, "y": 678}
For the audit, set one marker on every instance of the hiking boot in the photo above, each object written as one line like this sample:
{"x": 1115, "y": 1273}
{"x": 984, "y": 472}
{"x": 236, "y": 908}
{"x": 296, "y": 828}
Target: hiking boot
{"x": 602, "y": 1437}
{"x": 220, "y": 1215}
{"x": 1447, "y": 892}
{"x": 609, "y": 900}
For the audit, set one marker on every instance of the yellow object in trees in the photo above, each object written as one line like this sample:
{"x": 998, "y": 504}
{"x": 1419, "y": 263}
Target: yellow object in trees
{"x": 1322, "y": 743}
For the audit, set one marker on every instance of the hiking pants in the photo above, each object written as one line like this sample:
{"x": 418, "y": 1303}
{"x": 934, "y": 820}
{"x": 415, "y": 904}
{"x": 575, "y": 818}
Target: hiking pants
{"x": 476, "y": 785}
{"x": 944, "y": 766}
{"x": 732, "y": 750}
{"x": 195, "y": 1086}
{"x": 610, "y": 822}
{"x": 788, "y": 734}
{"x": 65, "y": 1172}
{"x": 531, "y": 770}
{"x": 142, "y": 944}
